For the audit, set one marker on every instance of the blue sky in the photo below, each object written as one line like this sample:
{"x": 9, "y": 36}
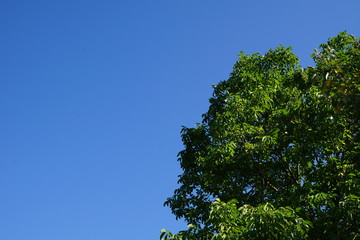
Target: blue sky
{"x": 93, "y": 95}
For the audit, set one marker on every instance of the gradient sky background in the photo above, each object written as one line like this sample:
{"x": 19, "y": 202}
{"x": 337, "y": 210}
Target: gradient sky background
{"x": 93, "y": 95}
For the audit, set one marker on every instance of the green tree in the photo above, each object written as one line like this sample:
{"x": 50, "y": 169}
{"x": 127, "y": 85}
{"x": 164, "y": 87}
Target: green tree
{"x": 277, "y": 155}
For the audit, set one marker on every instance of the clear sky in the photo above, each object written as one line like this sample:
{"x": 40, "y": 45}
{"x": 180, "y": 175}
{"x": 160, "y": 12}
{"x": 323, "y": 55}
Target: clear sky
{"x": 93, "y": 95}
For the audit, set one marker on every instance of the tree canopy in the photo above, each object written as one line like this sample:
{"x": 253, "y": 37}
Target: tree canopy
{"x": 277, "y": 154}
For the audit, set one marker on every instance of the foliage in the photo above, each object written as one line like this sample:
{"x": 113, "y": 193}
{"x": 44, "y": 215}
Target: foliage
{"x": 280, "y": 146}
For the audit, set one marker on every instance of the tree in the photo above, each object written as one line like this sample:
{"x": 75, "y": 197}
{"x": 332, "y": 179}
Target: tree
{"x": 277, "y": 155}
